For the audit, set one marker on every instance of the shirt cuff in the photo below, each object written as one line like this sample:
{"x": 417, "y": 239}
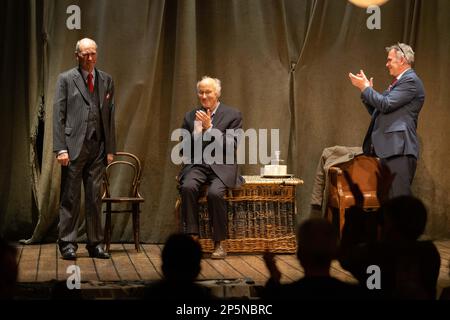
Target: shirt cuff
{"x": 61, "y": 152}
{"x": 209, "y": 129}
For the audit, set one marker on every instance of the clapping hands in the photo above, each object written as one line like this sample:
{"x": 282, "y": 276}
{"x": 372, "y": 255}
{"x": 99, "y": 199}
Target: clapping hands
{"x": 360, "y": 80}
{"x": 204, "y": 118}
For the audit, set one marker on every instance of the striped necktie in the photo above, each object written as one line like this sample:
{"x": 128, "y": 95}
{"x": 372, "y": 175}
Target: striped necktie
{"x": 392, "y": 84}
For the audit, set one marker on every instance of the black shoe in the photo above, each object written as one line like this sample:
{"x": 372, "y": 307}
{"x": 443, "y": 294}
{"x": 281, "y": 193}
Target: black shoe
{"x": 69, "y": 254}
{"x": 98, "y": 252}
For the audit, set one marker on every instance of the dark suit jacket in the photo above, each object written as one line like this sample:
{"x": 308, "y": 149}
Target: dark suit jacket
{"x": 394, "y": 117}
{"x": 70, "y": 111}
{"x": 224, "y": 118}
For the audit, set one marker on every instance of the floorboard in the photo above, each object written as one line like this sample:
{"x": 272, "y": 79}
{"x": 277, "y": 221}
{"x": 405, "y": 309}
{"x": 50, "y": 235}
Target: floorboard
{"x": 43, "y": 263}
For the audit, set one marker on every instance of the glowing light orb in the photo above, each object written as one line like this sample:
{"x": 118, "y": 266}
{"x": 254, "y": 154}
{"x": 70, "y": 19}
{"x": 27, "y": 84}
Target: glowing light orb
{"x": 367, "y": 3}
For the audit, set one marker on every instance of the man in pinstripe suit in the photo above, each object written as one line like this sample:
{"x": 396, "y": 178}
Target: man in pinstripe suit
{"x": 84, "y": 142}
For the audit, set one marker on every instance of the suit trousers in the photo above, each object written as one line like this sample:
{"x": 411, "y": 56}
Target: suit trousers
{"x": 190, "y": 186}
{"x": 404, "y": 168}
{"x": 89, "y": 167}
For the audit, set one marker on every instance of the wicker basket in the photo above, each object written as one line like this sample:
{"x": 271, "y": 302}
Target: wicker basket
{"x": 261, "y": 217}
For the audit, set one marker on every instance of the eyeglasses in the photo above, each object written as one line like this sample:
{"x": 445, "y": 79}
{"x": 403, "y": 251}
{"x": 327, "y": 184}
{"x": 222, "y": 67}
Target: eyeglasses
{"x": 400, "y": 47}
{"x": 207, "y": 92}
{"x": 86, "y": 54}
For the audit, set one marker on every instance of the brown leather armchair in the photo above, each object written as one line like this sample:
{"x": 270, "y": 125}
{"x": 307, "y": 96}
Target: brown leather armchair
{"x": 363, "y": 171}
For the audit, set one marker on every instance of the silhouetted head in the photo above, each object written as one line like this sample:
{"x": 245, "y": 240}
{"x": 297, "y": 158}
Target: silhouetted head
{"x": 181, "y": 258}
{"x": 8, "y": 269}
{"x": 403, "y": 217}
{"x": 317, "y": 245}
{"x": 60, "y": 291}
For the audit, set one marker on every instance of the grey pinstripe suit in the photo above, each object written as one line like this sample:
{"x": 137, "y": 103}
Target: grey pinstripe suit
{"x": 78, "y": 115}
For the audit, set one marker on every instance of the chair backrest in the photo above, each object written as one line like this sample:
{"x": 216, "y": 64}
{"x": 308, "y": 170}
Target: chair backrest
{"x": 126, "y": 167}
{"x": 363, "y": 170}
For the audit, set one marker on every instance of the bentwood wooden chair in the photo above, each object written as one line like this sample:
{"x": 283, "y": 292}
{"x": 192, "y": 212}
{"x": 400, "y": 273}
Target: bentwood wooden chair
{"x": 126, "y": 171}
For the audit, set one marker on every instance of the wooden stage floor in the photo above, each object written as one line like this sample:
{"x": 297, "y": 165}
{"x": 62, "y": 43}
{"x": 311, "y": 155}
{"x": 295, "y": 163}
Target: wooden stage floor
{"x": 124, "y": 276}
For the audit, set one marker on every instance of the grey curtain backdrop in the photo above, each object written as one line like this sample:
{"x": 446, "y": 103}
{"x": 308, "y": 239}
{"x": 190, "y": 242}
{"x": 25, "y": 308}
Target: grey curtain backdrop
{"x": 283, "y": 63}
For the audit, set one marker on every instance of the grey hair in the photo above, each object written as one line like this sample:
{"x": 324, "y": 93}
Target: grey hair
{"x": 77, "y": 46}
{"x": 404, "y": 50}
{"x": 217, "y": 84}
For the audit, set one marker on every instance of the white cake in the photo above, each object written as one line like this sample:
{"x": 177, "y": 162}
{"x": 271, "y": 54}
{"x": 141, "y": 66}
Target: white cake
{"x": 274, "y": 170}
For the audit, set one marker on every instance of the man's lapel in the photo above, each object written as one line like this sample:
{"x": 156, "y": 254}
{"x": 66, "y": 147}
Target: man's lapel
{"x": 79, "y": 82}
{"x": 101, "y": 88}
{"x": 402, "y": 78}
{"x": 218, "y": 115}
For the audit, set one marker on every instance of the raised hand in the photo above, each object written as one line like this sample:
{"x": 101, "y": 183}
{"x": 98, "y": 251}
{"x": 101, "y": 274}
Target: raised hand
{"x": 269, "y": 259}
{"x": 356, "y": 191}
{"x": 360, "y": 80}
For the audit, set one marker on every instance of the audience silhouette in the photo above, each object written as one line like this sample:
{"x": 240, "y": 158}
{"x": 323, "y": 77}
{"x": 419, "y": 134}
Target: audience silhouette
{"x": 317, "y": 247}
{"x": 8, "y": 270}
{"x": 181, "y": 258}
{"x": 409, "y": 268}
{"x": 60, "y": 291}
